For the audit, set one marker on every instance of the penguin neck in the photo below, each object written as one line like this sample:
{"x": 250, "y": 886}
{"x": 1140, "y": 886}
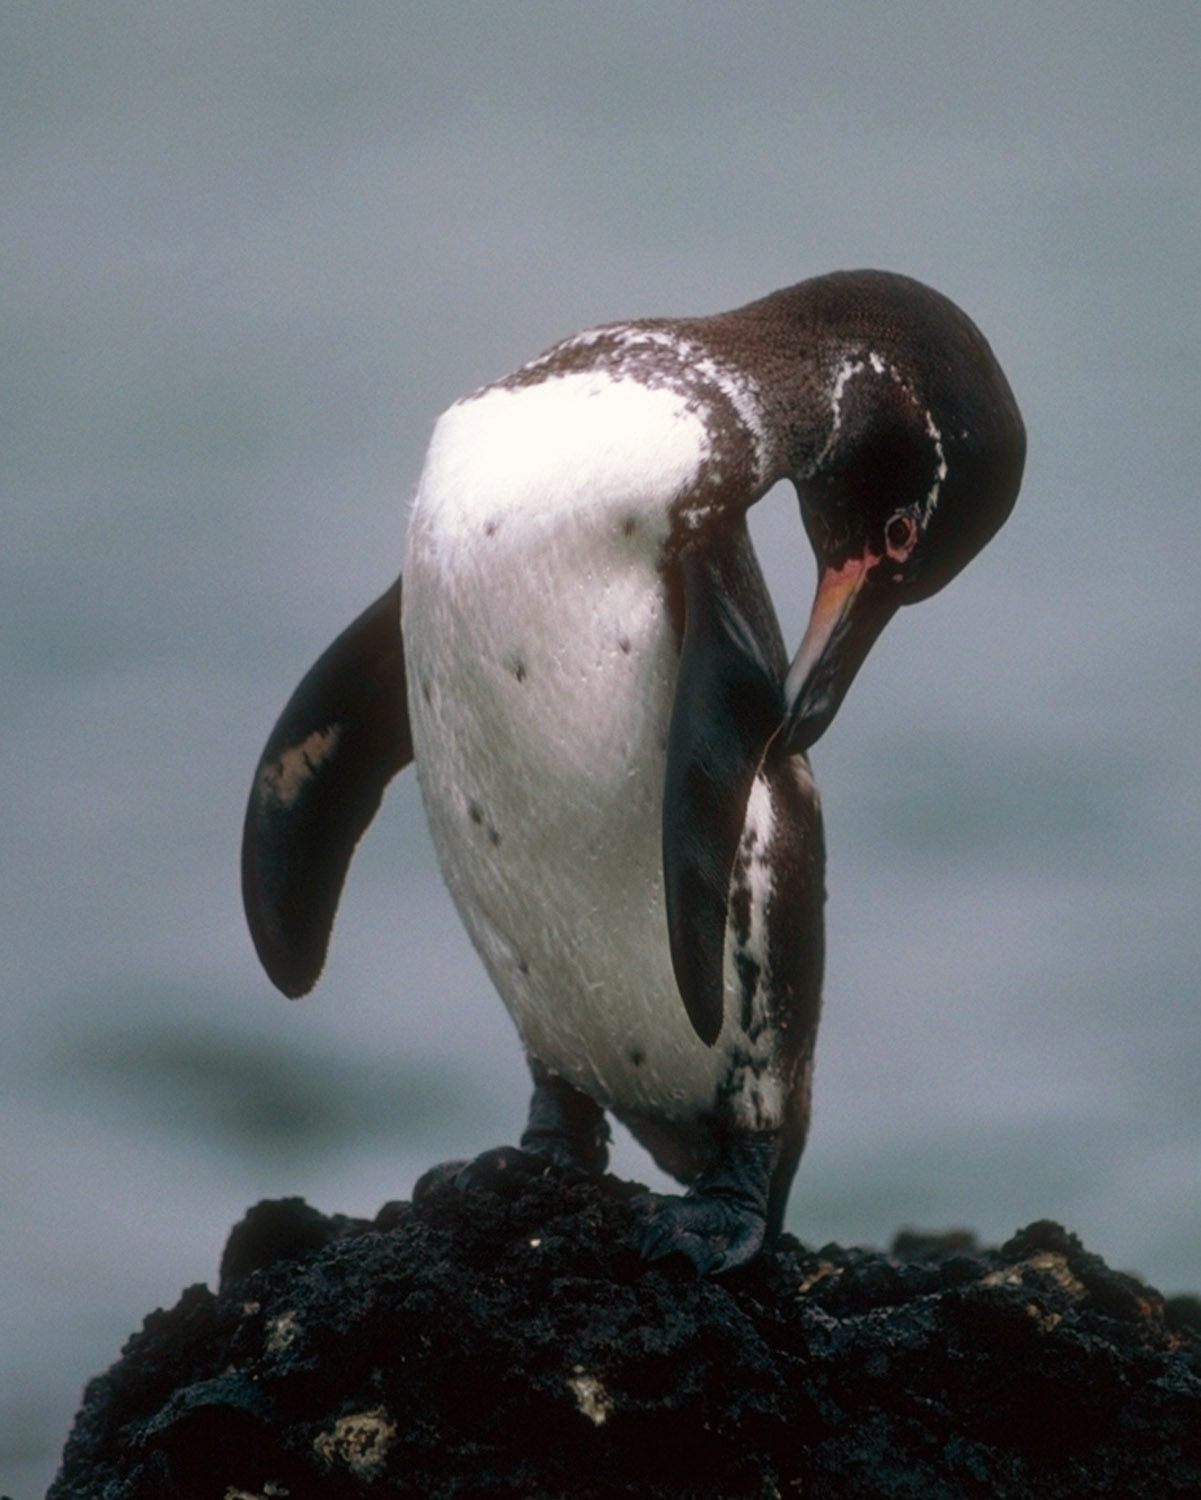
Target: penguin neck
{"x": 786, "y": 373}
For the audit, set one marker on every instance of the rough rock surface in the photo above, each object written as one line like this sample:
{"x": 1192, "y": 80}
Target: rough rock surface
{"x": 502, "y": 1345}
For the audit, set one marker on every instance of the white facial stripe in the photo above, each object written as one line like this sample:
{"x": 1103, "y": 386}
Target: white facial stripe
{"x": 940, "y": 472}
{"x": 847, "y": 369}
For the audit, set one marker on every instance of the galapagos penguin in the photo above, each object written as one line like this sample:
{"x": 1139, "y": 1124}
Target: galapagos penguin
{"x": 586, "y": 667}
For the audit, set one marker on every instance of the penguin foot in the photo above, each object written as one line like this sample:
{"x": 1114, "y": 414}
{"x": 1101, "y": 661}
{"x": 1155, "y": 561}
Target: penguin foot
{"x": 566, "y": 1131}
{"x": 715, "y": 1234}
{"x": 722, "y": 1221}
{"x": 503, "y": 1170}
{"x": 435, "y": 1177}
{"x": 565, "y": 1126}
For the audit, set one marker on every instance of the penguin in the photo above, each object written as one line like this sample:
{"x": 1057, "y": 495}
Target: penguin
{"x": 582, "y": 660}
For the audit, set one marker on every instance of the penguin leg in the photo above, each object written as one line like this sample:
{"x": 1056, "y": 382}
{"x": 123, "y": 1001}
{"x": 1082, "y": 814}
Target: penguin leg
{"x": 565, "y": 1125}
{"x": 566, "y": 1129}
{"x": 722, "y": 1220}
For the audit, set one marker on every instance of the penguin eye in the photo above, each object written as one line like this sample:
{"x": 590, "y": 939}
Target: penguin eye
{"x": 900, "y": 535}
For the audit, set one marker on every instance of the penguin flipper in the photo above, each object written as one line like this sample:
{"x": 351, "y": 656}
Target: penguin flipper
{"x": 341, "y": 738}
{"x": 728, "y": 705}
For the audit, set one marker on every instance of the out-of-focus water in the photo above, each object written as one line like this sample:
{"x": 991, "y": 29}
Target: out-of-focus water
{"x": 248, "y": 254}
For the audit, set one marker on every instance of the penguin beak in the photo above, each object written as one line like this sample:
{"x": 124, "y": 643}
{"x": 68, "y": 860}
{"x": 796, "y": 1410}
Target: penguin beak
{"x": 848, "y": 614}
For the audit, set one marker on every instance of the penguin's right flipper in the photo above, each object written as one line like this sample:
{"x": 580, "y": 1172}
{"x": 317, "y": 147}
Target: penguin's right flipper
{"x": 728, "y": 705}
{"x": 342, "y": 737}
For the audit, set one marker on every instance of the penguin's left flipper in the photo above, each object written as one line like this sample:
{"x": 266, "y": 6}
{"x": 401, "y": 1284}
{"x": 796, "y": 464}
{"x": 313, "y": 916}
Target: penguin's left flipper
{"x": 728, "y": 705}
{"x": 721, "y": 1222}
{"x": 341, "y": 738}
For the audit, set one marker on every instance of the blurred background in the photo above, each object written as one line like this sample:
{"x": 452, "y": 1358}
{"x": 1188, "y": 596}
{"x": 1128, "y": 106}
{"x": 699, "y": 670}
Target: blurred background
{"x": 247, "y": 253}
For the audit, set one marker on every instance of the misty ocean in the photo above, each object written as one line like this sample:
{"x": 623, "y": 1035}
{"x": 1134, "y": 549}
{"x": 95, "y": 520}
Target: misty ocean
{"x": 249, "y": 252}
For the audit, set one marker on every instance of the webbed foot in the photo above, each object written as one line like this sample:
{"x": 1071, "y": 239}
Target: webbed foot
{"x": 721, "y": 1222}
{"x": 566, "y": 1129}
{"x": 715, "y": 1234}
{"x": 502, "y": 1170}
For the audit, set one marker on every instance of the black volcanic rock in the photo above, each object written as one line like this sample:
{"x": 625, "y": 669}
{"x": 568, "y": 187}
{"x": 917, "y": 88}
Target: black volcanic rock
{"x": 478, "y": 1345}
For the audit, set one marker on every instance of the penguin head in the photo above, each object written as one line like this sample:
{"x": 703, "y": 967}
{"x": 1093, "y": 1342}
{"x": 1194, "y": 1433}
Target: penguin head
{"x": 911, "y": 467}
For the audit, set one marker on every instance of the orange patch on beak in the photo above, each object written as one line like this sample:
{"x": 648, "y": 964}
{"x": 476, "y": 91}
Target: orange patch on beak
{"x": 836, "y": 590}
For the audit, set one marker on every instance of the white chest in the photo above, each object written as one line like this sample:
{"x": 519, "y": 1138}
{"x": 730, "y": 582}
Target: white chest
{"x": 541, "y": 661}
{"x": 540, "y": 656}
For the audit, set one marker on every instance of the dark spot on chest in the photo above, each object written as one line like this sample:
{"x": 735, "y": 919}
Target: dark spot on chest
{"x": 476, "y": 813}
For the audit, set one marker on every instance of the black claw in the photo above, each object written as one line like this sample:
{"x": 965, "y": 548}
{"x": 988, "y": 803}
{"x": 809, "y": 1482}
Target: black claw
{"x": 713, "y": 1233}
